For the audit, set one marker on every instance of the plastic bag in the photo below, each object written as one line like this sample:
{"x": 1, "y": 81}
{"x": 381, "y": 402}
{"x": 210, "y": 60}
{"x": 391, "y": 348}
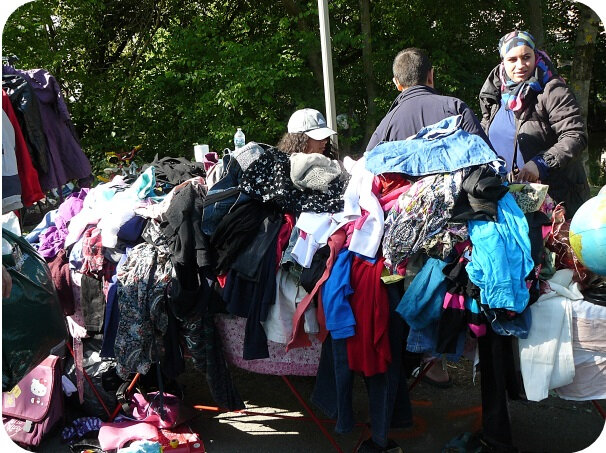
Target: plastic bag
{"x": 102, "y": 373}
{"x": 32, "y": 320}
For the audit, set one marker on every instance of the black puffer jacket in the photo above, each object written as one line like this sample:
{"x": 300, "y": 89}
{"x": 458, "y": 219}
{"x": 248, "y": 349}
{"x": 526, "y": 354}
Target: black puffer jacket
{"x": 25, "y": 104}
{"x": 550, "y": 125}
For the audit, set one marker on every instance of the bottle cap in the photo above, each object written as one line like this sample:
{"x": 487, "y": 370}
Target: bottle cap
{"x": 174, "y": 443}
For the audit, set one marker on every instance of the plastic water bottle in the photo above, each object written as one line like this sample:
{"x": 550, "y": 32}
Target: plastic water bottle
{"x": 239, "y": 139}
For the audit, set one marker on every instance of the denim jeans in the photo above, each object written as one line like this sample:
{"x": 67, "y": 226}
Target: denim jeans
{"x": 425, "y": 341}
{"x": 389, "y": 403}
{"x": 214, "y": 212}
{"x": 516, "y": 327}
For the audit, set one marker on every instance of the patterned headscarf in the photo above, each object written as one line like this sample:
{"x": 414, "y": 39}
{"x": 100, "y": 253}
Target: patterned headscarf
{"x": 514, "y": 93}
{"x": 514, "y": 39}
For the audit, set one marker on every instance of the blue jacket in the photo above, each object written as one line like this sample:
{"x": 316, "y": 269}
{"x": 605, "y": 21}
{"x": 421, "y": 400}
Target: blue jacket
{"x": 422, "y": 302}
{"x": 500, "y": 258}
{"x": 340, "y": 320}
{"x": 420, "y": 106}
{"x": 437, "y": 148}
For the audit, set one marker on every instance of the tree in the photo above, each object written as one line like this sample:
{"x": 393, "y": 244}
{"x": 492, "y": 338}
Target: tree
{"x": 167, "y": 74}
{"x": 371, "y": 111}
{"x": 582, "y": 69}
{"x": 535, "y": 21}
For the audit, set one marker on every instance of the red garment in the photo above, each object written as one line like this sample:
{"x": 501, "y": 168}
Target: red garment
{"x": 59, "y": 269}
{"x": 284, "y": 236}
{"x": 388, "y": 182}
{"x": 368, "y": 350}
{"x": 30, "y": 184}
{"x": 299, "y": 337}
{"x": 92, "y": 253}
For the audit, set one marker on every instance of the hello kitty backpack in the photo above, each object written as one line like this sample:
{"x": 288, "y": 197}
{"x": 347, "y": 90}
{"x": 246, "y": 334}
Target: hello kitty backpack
{"x": 35, "y": 405}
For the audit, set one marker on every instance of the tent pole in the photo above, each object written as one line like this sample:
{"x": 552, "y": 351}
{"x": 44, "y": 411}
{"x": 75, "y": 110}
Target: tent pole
{"x": 329, "y": 89}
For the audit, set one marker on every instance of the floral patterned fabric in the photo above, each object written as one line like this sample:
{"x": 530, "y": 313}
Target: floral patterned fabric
{"x": 529, "y": 197}
{"x": 143, "y": 318}
{"x": 268, "y": 179}
{"x": 296, "y": 362}
{"x": 442, "y": 244}
{"x": 420, "y": 214}
{"x": 92, "y": 252}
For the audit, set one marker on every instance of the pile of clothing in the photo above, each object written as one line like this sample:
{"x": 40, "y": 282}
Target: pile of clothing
{"x": 301, "y": 247}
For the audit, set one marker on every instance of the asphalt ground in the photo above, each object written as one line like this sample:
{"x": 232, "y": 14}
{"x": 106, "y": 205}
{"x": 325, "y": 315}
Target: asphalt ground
{"x": 275, "y": 420}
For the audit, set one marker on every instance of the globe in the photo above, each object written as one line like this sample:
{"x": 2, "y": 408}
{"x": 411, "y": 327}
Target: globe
{"x": 588, "y": 233}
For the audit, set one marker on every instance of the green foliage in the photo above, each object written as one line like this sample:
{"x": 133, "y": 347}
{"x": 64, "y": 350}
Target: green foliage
{"x": 167, "y": 73}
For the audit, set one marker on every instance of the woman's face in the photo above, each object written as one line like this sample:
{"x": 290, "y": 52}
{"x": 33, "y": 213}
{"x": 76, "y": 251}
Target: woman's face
{"x": 519, "y": 63}
{"x": 315, "y": 146}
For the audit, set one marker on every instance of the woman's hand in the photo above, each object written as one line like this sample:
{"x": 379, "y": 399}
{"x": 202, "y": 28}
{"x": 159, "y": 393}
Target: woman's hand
{"x": 528, "y": 173}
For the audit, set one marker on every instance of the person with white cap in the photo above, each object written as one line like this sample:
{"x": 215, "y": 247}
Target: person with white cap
{"x": 307, "y": 133}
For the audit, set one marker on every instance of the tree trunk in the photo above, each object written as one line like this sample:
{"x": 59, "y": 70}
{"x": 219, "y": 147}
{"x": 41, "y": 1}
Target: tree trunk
{"x": 582, "y": 67}
{"x": 369, "y": 80}
{"x": 314, "y": 59}
{"x": 535, "y": 14}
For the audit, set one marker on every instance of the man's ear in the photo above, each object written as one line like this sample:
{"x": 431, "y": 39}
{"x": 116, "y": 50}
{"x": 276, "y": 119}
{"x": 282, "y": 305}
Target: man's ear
{"x": 430, "y": 78}
{"x": 398, "y": 84}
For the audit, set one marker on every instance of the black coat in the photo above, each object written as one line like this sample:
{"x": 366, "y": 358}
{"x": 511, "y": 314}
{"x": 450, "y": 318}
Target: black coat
{"x": 25, "y": 104}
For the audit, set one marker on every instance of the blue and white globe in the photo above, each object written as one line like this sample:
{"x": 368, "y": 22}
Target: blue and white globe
{"x": 588, "y": 233}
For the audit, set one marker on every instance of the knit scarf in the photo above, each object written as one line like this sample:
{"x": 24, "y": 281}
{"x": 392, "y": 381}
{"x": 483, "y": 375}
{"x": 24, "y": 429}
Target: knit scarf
{"x": 515, "y": 94}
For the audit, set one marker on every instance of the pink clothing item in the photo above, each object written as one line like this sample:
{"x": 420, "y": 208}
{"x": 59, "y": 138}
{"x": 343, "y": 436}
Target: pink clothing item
{"x": 349, "y": 229}
{"x": 299, "y": 337}
{"x": 388, "y": 200}
{"x": 359, "y": 222}
{"x": 210, "y": 159}
{"x": 388, "y": 188}
{"x": 116, "y": 435}
{"x": 297, "y": 362}
{"x": 92, "y": 253}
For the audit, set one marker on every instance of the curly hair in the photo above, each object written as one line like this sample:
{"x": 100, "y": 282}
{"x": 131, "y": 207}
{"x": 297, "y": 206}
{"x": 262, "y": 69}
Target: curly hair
{"x": 293, "y": 143}
{"x": 297, "y": 143}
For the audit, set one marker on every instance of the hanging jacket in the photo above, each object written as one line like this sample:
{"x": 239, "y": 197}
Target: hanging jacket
{"x": 67, "y": 161}
{"x": 551, "y": 126}
{"x": 13, "y": 141}
{"x": 25, "y": 104}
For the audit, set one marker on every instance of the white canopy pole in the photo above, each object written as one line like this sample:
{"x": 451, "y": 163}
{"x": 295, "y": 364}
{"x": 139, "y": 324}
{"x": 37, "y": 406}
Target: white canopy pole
{"x": 329, "y": 89}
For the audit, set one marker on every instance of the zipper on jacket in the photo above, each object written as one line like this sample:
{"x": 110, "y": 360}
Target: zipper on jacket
{"x": 214, "y": 197}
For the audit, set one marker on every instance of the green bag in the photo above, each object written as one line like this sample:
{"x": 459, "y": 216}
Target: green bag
{"x": 32, "y": 320}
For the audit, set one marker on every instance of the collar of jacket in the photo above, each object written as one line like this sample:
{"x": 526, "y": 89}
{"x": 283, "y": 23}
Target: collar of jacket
{"x": 412, "y": 92}
{"x": 491, "y": 90}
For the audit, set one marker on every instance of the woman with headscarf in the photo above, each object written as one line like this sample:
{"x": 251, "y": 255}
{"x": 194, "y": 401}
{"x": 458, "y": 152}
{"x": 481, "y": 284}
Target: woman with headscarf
{"x": 534, "y": 121}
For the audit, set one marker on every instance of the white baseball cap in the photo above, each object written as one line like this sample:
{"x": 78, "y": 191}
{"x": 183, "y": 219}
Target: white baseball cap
{"x": 311, "y": 122}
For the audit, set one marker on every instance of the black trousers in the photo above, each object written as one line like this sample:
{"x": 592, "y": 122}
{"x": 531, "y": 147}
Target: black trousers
{"x": 499, "y": 380}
